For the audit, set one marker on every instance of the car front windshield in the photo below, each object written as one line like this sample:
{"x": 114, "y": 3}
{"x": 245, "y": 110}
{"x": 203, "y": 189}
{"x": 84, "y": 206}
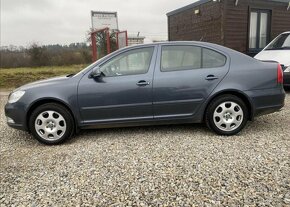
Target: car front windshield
{"x": 281, "y": 43}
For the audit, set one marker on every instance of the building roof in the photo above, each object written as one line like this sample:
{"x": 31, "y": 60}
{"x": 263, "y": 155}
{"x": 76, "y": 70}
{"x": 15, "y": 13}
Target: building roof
{"x": 200, "y": 2}
{"x": 190, "y": 6}
{"x": 135, "y": 37}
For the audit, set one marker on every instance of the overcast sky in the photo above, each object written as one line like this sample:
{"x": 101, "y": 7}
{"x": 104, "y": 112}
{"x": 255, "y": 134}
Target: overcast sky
{"x": 66, "y": 21}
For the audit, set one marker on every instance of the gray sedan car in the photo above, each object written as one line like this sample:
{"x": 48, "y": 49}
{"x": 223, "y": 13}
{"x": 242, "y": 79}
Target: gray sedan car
{"x": 162, "y": 83}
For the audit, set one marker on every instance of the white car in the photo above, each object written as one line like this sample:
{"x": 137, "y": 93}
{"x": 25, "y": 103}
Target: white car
{"x": 279, "y": 50}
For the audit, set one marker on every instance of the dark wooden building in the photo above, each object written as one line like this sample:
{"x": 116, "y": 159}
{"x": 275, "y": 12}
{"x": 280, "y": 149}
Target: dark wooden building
{"x": 243, "y": 25}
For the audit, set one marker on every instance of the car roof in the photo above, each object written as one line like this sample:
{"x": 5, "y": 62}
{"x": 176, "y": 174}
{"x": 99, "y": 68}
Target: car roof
{"x": 198, "y": 43}
{"x": 176, "y": 43}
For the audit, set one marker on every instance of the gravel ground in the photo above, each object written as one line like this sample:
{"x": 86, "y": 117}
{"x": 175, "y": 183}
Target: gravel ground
{"x": 181, "y": 165}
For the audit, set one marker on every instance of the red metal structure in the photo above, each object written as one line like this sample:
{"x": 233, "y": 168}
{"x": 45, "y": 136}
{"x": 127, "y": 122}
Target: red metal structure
{"x": 94, "y": 42}
{"x": 122, "y": 39}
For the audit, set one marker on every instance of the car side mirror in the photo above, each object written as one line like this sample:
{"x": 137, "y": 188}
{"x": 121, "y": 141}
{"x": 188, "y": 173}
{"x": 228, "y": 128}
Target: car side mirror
{"x": 96, "y": 73}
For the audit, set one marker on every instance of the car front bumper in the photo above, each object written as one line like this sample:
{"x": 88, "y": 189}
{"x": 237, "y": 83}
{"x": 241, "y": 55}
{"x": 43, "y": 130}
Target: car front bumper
{"x": 15, "y": 115}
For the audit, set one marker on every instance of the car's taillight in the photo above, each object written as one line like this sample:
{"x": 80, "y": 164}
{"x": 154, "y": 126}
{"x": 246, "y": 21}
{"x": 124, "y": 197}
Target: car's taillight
{"x": 279, "y": 74}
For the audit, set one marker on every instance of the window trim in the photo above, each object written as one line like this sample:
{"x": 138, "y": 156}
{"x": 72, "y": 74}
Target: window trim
{"x": 129, "y": 50}
{"x": 202, "y": 48}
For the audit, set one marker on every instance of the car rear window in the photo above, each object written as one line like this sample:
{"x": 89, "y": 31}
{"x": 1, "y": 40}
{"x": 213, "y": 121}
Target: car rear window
{"x": 281, "y": 43}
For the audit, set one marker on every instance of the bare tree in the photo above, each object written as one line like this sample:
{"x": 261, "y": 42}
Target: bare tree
{"x": 38, "y": 55}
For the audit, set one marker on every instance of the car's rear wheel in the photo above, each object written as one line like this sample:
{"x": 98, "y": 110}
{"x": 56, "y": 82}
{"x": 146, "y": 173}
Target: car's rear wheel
{"x": 51, "y": 123}
{"x": 226, "y": 115}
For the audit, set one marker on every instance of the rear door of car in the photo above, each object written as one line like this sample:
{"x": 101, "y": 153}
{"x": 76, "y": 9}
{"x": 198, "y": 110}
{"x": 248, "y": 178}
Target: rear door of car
{"x": 184, "y": 77}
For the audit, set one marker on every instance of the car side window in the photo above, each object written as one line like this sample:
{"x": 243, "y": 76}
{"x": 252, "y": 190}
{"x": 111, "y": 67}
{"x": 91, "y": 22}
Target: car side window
{"x": 212, "y": 59}
{"x": 180, "y": 58}
{"x": 189, "y": 57}
{"x": 133, "y": 62}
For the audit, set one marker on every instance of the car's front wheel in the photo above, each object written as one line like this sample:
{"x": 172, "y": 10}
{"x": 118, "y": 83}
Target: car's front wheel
{"x": 51, "y": 123}
{"x": 227, "y": 115}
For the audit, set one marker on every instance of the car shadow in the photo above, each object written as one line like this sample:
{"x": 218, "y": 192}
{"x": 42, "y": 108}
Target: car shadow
{"x": 200, "y": 131}
{"x": 140, "y": 131}
{"x": 254, "y": 128}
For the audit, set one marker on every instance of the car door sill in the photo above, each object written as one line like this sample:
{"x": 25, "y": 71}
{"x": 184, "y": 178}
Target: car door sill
{"x": 145, "y": 118}
{"x": 134, "y": 123}
{"x": 137, "y": 121}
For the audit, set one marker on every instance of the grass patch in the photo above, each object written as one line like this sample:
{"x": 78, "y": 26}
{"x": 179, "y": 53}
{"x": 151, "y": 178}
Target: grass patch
{"x": 14, "y": 77}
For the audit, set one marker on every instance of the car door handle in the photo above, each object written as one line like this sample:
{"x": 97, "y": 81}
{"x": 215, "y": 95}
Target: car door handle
{"x": 143, "y": 83}
{"x": 211, "y": 77}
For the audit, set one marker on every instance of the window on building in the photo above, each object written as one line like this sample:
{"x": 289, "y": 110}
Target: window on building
{"x": 259, "y": 34}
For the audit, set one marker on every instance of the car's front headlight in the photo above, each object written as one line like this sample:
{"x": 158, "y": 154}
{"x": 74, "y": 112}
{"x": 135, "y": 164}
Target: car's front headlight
{"x": 15, "y": 96}
{"x": 287, "y": 70}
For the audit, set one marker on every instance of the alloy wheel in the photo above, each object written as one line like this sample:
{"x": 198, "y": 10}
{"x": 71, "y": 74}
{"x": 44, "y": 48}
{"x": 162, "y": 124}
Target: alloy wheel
{"x": 228, "y": 116}
{"x": 50, "y": 125}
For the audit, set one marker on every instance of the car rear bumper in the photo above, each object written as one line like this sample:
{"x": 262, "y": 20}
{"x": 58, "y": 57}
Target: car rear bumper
{"x": 15, "y": 115}
{"x": 266, "y": 101}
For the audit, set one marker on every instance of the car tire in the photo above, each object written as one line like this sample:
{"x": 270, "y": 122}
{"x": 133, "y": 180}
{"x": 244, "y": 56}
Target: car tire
{"x": 51, "y": 124}
{"x": 226, "y": 115}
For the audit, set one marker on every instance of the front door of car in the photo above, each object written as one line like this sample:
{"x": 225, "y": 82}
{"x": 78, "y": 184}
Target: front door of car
{"x": 123, "y": 92}
{"x": 184, "y": 77}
